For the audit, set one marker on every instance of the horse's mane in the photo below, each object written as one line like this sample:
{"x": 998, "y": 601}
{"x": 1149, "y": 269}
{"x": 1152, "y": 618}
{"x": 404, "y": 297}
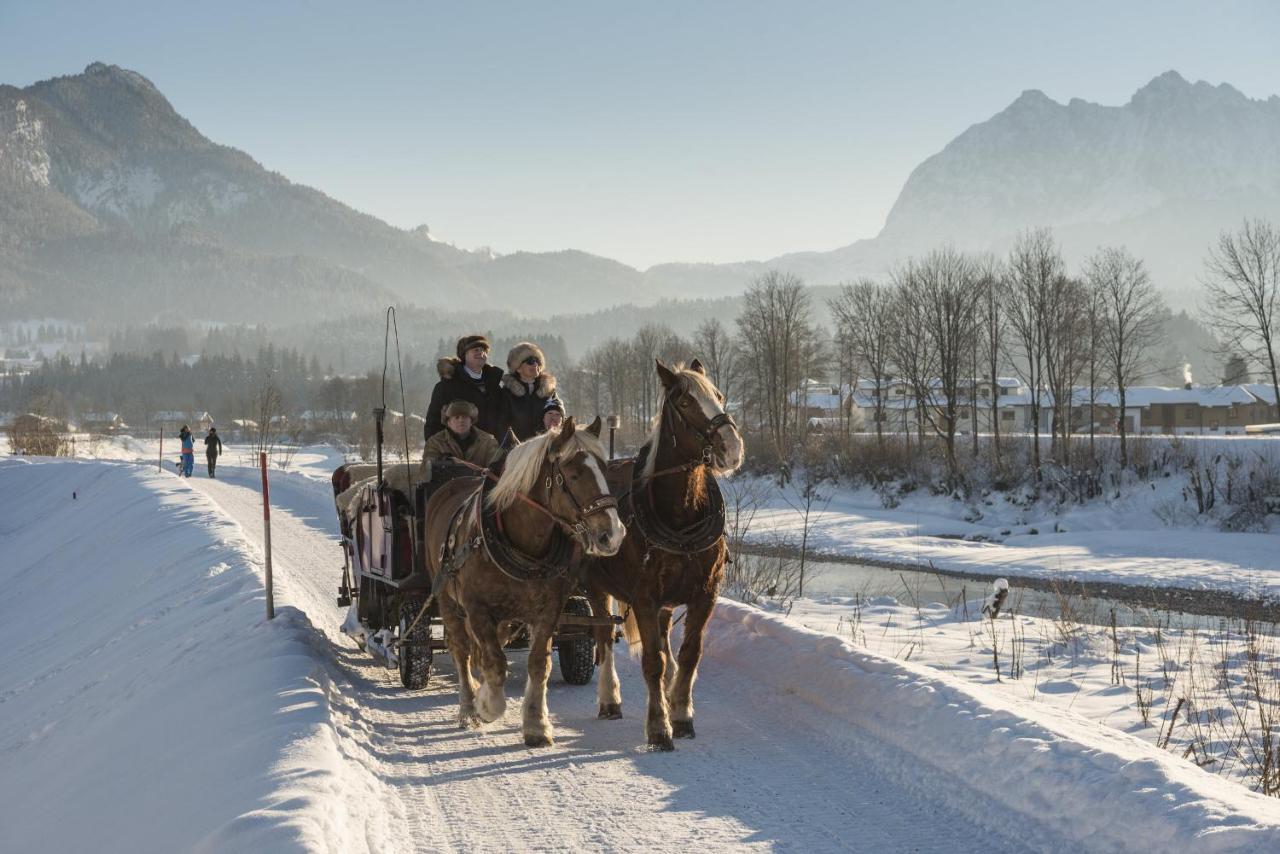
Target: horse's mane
{"x": 700, "y": 384}
{"x": 520, "y": 473}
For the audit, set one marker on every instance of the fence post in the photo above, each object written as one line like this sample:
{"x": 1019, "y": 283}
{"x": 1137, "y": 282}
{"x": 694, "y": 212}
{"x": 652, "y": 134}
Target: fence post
{"x": 160, "y": 462}
{"x": 266, "y": 528}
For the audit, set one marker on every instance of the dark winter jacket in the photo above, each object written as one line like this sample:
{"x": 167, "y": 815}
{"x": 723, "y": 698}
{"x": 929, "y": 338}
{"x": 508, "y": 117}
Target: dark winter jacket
{"x": 212, "y": 445}
{"x": 525, "y": 403}
{"x": 456, "y": 384}
{"x": 188, "y": 441}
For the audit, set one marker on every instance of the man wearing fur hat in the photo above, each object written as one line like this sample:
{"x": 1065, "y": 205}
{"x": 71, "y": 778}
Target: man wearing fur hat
{"x": 527, "y": 390}
{"x": 468, "y": 377}
{"x": 460, "y": 439}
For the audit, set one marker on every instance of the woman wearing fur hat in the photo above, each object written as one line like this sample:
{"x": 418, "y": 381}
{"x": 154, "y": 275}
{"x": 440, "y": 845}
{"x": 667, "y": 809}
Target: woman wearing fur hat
{"x": 527, "y": 389}
{"x": 468, "y": 377}
{"x": 460, "y": 439}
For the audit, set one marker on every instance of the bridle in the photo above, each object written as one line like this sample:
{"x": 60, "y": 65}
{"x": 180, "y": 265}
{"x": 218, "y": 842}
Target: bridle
{"x": 706, "y": 432}
{"x": 576, "y": 527}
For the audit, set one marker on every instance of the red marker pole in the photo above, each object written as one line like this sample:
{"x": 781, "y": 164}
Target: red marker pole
{"x": 160, "y": 462}
{"x": 266, "y": 527}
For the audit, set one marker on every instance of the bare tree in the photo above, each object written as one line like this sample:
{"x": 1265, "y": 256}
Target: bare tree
{"x": 1065, "y": 355}
{"x": 715, "y": 349}
{"x": 1242, "y": 283}
{"x": 990, "y": 275}
{"x": 777, "y": 339}
{"x": 937, "y": 304}
{"x": 863, "y": 314}
{"x": 1129, "y": 322}
{"x": 1035, "y": 263}
{"x": 266, "y": 407}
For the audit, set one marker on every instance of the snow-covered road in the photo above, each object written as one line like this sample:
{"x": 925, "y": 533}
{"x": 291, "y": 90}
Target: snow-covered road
{"x": 171, "y": 714}
{"x": 767, "y": 770}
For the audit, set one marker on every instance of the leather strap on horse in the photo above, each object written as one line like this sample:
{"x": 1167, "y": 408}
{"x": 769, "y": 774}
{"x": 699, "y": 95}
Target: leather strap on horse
{"x": 637, "y": 507}
{"x": 559, "y": 559}
{"x": 575, "y": 527}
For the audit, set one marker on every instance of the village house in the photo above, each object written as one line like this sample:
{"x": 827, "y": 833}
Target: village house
{"x": 102, "y": 422}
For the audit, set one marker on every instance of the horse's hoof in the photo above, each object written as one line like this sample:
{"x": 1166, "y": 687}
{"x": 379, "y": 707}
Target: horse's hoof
{"x": 682, "y": 729}
{"x": 468, "y": 720}
{"x": 538, "y": 741}
{"x": 610, "y": 711}
{"x": 661, "y": 744}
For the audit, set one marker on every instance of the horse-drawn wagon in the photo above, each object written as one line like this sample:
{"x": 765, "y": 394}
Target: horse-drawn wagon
{"x": 387, "y": 582}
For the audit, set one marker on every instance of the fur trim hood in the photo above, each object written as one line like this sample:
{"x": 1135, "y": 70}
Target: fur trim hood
{"x": 522, "y": 351}
{"x": 544, "y": 386}
{"x": 448, "y": 366}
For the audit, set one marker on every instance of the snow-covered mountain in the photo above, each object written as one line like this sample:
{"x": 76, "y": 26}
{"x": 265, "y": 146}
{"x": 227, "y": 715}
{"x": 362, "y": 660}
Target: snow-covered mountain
{"x": 113, "y": 204}
{"x": 1163, "y": 174}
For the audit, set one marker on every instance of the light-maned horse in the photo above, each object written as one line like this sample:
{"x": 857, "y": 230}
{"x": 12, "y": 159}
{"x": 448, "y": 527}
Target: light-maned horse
{"x": 692, "y": 440}
{"x": 551, "y": 485}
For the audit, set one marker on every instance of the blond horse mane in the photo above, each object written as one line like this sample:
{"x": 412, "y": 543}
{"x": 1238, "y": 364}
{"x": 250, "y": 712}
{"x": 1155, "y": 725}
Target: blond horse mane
{"x": 520, "y": 474}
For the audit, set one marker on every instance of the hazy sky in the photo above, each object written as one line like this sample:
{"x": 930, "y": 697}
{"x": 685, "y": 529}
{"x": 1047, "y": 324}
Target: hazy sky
{"x": 645, "y": 132}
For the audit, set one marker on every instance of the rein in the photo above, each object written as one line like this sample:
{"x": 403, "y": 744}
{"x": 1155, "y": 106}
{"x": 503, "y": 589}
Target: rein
{"x": 574, "y": 527}
{"x": 708, "y": 530}
{"x": 515, "y": 563}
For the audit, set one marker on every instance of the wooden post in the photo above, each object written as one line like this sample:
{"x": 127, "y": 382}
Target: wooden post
{"x": 266, "y": 537}
{"x": 160, "y": 462}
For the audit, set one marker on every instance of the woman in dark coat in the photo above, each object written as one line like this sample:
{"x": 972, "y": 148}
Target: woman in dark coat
{"x": 527, "y": 389}
{"x": 468, "y": 377}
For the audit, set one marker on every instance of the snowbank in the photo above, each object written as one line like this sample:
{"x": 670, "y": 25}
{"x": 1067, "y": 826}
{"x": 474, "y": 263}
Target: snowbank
{"x": 146, "y": 703}
{"x": 1038, "y": 766}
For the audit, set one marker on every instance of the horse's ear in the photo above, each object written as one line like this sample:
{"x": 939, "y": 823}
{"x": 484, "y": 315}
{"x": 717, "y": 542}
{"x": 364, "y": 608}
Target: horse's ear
{"x": 567, "y": 430}
{"x": 696, "y": 365}
{"x": 665, "y": 374}
{"x": 509, "y": 440}
{"x": 594, "y": 427}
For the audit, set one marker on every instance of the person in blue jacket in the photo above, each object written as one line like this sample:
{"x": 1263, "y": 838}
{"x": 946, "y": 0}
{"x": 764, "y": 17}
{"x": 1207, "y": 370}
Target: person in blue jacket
{"x": 188, "y": 451}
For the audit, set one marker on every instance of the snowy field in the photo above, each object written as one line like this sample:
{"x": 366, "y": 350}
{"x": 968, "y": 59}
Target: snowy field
{"x": 148, "y": 705}
{"x": 1117, "y": 541}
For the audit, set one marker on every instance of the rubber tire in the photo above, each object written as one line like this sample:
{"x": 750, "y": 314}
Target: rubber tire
{"x": 415, "y": 660}
{"x": 577, "y": 656}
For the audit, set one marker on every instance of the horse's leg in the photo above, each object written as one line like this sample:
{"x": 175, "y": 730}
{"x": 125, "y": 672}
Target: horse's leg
{"x": 491, "y": 701}
{"x": 536, "y": 721}
{"x": 696, "y": 615}
{"x": 608, "y": 691}
{"x": 455, "y": 628}
{"x": 669, "y": 671}
{"x": 657, "y": 725}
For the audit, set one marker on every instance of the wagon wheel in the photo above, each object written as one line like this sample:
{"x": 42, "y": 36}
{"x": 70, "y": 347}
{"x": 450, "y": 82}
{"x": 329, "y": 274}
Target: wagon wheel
{"x": 577, "y": 655}
{"x": 414, "y": 650}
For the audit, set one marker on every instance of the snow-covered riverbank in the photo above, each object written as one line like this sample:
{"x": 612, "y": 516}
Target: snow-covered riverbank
{"x": 1120, "y": 541}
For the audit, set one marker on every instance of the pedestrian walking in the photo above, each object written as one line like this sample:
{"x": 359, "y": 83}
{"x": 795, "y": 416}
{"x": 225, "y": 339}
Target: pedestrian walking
{"x": 212, "y": 448}
{"x": 188, "y": 451}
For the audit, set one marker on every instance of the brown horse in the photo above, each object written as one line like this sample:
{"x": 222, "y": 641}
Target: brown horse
{"x": 675, "y": 551}
{"x": 512, "y": 557}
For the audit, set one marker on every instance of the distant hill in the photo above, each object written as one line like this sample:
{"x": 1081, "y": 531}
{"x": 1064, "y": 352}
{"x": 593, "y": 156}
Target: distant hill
{"x": 112, "y": 205}
{"x": 111, "y": 202}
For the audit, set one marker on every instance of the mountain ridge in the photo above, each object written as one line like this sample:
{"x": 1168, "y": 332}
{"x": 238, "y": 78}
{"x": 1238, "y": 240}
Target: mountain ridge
{"x": 100, "y": 160}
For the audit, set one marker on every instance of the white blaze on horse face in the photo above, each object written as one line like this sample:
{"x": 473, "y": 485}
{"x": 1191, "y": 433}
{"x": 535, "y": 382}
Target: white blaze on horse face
{"x": 617, "y": 531}
{"x": 711, "y": 407}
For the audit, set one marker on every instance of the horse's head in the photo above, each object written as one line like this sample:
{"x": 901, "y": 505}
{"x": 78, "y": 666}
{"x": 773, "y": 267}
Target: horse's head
{"x": 693, "y": 410}
{"x": 563, "y": 471}
{"x": 573, "y": 468}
